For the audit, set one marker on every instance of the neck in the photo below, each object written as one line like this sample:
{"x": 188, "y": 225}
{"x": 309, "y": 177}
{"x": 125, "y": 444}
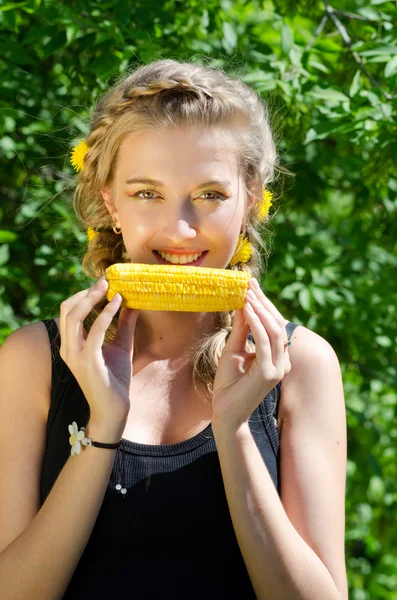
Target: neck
{"x": 171, "y": 334}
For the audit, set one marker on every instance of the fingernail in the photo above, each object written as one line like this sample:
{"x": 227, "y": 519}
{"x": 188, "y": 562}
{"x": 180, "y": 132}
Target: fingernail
{"x": 100, "y": 281}
{"x": 255, "y": 284}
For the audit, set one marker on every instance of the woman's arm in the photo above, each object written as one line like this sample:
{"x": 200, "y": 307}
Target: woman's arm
{"x": 293, "y": 547}
{"x": 40, "y": 549}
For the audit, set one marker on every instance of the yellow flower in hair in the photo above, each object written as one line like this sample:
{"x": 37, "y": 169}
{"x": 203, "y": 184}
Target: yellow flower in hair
{"x": 77, "y": 156}
{"x": 243, "y": 251}
{"x": 91, "y": 233}
{"x": 266, "y": 204}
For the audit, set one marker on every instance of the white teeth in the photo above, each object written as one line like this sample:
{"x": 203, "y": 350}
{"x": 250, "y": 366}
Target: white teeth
{"x": 179, "y": 258}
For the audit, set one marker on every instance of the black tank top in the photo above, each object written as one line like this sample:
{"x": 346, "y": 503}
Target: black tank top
{"x": 171, "y": 535}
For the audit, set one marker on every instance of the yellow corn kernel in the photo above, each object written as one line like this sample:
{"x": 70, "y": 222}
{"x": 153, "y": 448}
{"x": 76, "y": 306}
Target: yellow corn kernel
{"x": 177, "y": 287}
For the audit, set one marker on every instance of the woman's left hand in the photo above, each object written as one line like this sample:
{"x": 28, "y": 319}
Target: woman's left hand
{"x": 243, "y": 379}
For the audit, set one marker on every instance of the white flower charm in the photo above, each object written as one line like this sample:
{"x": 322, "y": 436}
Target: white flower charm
{"x": 77, "y": 438}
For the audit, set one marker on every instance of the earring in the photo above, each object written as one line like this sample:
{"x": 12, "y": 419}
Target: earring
{"x": 114, "y": 228}
{"x": 242, "y": 252}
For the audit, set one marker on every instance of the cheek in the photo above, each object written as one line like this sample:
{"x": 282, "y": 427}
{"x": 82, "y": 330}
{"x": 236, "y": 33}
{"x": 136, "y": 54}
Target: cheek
{"x": 226, "y": 226}
{"x": 138, "y": 221}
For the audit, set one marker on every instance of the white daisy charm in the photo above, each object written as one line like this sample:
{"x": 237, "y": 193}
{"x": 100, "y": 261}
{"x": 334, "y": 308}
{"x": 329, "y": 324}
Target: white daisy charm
{"x": 77, "y": 438}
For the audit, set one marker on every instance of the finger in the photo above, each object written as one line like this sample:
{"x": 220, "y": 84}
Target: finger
{"x": 269, "y": 306}
{"x": 238, "y": 336}
{"x": 262, "y": 342}
{"x": 124, "y": 337}
{"x": 67, "y": 305}
{"x": 75, "y": 334}
{"x": 269, "y": 324}
{"x": 98, "y": 329}
{"x": 280, "y": 354}
{"x": 267, "y": 303}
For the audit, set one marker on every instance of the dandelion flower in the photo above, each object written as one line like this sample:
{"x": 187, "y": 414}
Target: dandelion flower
{"x": 77, "y": 156}
{"x": 243, "y": 251}
{"x": 266, "y": 204}
{"x": 91, "y": 233}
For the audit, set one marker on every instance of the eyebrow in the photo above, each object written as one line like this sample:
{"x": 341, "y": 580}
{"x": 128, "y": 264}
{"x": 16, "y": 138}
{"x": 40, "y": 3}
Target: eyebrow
{"x": 155, "y": 182}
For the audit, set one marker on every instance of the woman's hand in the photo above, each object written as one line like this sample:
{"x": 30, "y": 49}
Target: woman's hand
{"x": 103, "y": 371}
{"x": 243, "y": 379}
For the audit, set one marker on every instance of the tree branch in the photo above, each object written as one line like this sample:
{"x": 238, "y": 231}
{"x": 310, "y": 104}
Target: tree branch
{"x": 317, "y": 32}
{"x": 345, "y": 36}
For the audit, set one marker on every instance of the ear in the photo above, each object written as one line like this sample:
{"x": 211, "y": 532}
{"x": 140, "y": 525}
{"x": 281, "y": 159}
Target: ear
{"x": 106, "y": 193}
{"x": 253, "y": 193}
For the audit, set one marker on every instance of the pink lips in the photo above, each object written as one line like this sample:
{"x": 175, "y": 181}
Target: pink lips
{"x": 195, "y": 263}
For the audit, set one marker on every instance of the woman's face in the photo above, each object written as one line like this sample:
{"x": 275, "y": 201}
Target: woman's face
{"x": 184, "y": 210}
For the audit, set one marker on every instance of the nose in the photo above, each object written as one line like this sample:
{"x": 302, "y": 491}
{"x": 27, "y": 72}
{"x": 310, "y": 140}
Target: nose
{"x": 178, "y": 231}
{"x": 180, "y": 227}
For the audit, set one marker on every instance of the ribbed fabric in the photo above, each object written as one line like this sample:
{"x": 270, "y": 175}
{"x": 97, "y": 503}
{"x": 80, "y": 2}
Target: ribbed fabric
{"x": 171, "y": 535}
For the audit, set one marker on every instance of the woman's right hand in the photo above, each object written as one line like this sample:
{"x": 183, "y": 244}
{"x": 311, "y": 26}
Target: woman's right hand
{"x": 103, "y": 371}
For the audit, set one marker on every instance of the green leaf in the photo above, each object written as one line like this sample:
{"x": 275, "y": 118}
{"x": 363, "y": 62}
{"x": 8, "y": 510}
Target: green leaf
{"x": 324, "y": 130}
{"x": 381, "y": 50}
{"x": 15, "y": 54}
{"x": 287, "y": 39}
{"x": 57, "y": 42}
{"x": 257, "y": 76}
{"x": 72, "y": 32}
{"x": 319, "y": 295}
{"x": 38, "y": 34}
{"x": 230, "y": 35}
{"x": 12, "y": 5}
{"x": 7, "y": 143}
{"x": 4, "y": 254}
{"x": 7, "y": 236}
{"x": 376, "y": 489}
{"x": 391, "y": 67}
{"x": 264, "y": 81}
{"x": 369, "y": 13}
{"x": 290, "y": 291}
{"x": 305, "y": 299}
{"x": 383, "y": 340}
{"x": 105, "y": 65}
{"x": 328, "y": 94}
{"x": 286, "y": 87}
{"x": 319, "y": 66}
{"x": 31, "y": 6}
{"x": 356, "y": 84}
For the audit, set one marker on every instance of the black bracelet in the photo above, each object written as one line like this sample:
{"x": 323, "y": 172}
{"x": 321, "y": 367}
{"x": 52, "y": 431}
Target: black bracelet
{"x": 76, "y": 439}
{"x": 110, "y": 446}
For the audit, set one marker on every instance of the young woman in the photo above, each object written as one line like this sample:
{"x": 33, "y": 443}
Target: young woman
{"x": 230, "y": 479}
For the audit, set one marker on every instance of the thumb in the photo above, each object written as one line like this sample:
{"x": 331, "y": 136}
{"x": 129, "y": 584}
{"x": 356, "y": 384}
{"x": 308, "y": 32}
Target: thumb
{"x": 238, "y": 335}
{"x": 124, "y": 337}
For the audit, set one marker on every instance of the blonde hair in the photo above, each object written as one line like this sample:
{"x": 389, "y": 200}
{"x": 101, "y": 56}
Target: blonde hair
{"x": 162, "y": 95}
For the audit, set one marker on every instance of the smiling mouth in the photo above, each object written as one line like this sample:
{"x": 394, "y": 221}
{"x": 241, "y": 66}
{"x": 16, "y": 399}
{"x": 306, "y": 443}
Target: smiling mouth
{"x": 180, "y": 259}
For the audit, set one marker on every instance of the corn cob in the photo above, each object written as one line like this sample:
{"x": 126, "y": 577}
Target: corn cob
{"x": 176, "y": 287}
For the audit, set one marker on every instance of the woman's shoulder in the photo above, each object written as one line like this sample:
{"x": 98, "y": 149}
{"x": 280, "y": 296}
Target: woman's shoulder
{"x": 32, "y": 336}
{"x": 307, "y": 345}
{"x": 313, "y": 362}
{"x": 28, "y": 349}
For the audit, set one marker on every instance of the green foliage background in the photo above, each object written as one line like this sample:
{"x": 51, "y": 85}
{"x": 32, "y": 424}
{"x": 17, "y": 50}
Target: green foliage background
{"x": 329, "y": 73}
